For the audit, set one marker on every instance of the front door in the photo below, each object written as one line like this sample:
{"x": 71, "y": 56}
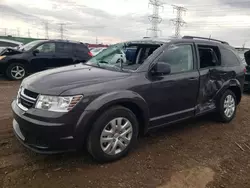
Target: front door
{"x": 175, "y": 94}
{"x": 42, "y": 57}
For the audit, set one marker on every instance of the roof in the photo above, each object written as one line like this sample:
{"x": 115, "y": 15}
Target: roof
{"x": 66, "y": 41}
{"x": 185, "y": 38}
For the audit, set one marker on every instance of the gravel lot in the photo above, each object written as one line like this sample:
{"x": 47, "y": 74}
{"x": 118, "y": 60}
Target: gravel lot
{"x": 194, "y": 154}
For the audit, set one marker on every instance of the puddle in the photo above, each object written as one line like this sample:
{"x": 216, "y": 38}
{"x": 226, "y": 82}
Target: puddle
{"x": 197, "y": 177}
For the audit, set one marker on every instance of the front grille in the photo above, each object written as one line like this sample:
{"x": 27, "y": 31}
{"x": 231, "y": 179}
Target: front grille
{"x": 26, "y": 103}
{"x": 30, "y": 93}
{"x": 26, "y": 99}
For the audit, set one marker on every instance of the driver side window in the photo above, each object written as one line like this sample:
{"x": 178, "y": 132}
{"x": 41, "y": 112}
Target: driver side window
{"x": 47, "y": 48}
{"x": 179, "y": 57}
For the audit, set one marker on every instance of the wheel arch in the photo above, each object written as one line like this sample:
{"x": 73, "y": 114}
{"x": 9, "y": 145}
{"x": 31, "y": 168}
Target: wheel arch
{"x": 233, "y": 85}
{"x": 127, "y": 99}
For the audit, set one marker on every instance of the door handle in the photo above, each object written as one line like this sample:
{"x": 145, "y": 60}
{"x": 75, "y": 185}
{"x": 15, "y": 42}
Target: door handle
{"x": 193, "y": 78}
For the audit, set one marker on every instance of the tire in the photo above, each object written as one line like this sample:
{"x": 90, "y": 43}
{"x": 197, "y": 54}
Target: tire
{"x": 94, "y": 145}
{"x": 222, "y": 115}
{"x": 19, "y": 68}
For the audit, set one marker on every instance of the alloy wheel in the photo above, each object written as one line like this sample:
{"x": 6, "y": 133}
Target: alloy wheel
{"x": 17, "y": 72}
{"x": 229, "y": 106}
{"x": 116, "y": 136}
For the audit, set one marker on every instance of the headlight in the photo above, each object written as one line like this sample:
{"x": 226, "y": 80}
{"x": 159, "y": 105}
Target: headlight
{"x": 57, "y": 104}
{"x": 2, "y": 57}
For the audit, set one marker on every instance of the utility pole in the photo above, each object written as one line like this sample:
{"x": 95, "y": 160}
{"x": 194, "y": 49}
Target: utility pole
{"x": 5, "y": 31}
{"x": 178, "y": 21}
{"x": 155, "y": 19}
{"x": 18, "y": 31}
{"x": 62, "y": 30}
{"x": 46, "y": 28}
{"x": 28, "y": 33}
{"x": 96, "y": 40}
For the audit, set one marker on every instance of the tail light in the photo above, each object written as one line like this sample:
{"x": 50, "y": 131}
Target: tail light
{"x": 245, "y": 70}
{"x": 90, "y": 54}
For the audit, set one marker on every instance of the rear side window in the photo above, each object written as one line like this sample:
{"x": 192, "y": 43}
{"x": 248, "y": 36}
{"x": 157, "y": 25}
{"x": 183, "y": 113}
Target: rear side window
{"x": 7, "y": 44}
{"x": 229, "y": 58}
{"x": 64, "y": 47}
{"x": 80, "y": 48}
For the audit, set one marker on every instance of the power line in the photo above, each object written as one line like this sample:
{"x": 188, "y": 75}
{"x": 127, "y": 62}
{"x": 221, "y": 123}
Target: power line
{"x": 155, "y": 19}
{"x": 178, "y": 21}
{"x": 238, "y": 2}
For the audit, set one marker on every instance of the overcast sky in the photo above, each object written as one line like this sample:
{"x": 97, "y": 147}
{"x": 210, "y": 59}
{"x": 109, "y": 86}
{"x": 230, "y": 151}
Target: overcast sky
{"x": 118, "y": 20}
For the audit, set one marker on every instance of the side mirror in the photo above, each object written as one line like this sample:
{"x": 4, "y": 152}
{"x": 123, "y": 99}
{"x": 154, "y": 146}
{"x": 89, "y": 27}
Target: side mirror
{"x": 161, "y": 68}
{"x": 36, "y": 51}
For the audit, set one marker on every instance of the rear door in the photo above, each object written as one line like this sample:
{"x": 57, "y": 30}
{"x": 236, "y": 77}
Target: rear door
{"x": 64, "y": 54}
{"x": 216, "y": 66}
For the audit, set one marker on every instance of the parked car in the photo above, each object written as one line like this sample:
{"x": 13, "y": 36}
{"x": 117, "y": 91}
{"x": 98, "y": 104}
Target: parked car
{"x": 96, "y": 51}
{"x": 247, "y": 75}
{"x": 5, "y": 43}
{"x": 40, "y": 55}
{"x": 105, "y": 104}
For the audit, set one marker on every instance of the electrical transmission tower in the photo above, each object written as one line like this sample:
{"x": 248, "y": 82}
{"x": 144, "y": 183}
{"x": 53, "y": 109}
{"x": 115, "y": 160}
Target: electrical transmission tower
{"x": 178, "y": 21}
{"x": 46, "y": 28}
{"x": 62, "y": 30}
{"x": 155, "y": 19}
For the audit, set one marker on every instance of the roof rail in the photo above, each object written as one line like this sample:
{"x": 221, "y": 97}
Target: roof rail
{"x": 204, "y": 38}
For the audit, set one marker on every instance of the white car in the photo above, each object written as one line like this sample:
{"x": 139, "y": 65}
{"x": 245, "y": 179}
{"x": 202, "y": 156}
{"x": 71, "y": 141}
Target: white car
{"x": 4, "y": 43}
{"x": 97, "y": 50}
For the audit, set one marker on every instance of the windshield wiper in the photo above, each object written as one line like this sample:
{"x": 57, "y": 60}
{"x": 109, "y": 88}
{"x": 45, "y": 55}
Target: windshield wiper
{"x": 104, "y": 62}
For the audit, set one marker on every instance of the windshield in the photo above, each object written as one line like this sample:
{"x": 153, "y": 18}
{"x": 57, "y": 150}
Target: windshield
{"x": 123, "y": 56}
{"x": 29, "y": 45}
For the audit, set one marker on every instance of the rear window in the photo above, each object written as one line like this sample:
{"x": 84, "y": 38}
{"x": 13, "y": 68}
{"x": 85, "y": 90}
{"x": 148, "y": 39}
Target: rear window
{"x": 229, "y": 57}
{"x": 80, "y": 48}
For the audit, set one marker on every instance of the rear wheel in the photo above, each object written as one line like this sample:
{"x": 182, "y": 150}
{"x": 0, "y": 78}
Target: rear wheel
{"x": 227, "y": 106}
{"x": 113, "y": 134}
{"x": 16, "y": 71}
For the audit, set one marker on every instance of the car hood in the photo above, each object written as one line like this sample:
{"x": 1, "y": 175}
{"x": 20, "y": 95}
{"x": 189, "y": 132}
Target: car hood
{"x": 56, "y": 81}
{"x": 10, "y": 51}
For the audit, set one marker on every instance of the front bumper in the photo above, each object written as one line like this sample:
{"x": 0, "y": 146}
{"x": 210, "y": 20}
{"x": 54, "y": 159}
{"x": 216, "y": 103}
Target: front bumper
{"x": 3, "y": 67}
{"x": 44, "y": 132}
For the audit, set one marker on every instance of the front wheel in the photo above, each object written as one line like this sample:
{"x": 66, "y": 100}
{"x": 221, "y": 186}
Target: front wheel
{"x": 16, "y": 71}
{"x": 113, "y": 134}
{"x": 227, "y": 106}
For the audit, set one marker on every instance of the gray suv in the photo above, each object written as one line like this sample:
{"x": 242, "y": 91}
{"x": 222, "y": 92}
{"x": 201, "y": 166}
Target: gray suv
{"x": 104, "y": 104}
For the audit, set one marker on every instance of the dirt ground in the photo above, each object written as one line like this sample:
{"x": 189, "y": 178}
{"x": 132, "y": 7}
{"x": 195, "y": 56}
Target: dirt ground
{"x": 194, "y": 154}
